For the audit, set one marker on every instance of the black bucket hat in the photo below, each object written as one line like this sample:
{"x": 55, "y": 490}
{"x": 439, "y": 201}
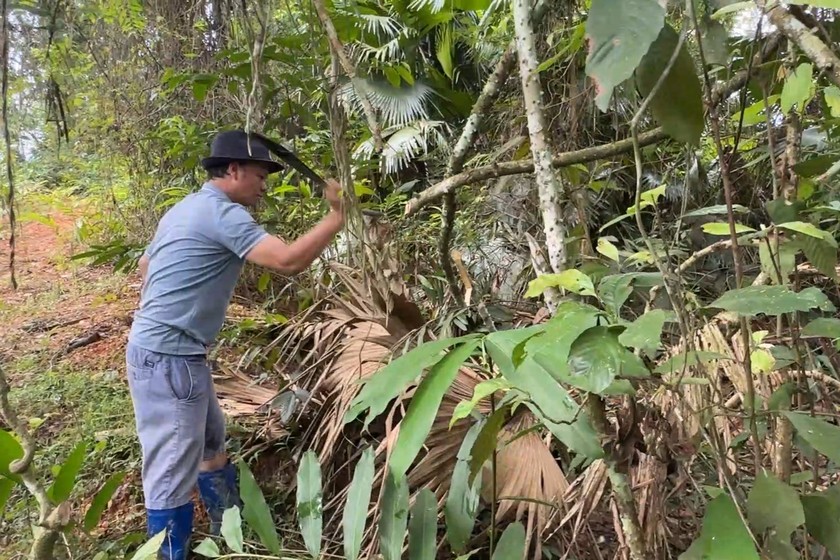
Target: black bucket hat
{"x": 233, "y": 145}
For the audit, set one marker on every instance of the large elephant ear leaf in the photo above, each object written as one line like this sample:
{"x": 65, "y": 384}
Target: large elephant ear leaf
{"x": 619, "y": 33}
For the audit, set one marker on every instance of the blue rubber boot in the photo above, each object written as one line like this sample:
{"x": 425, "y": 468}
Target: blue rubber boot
{"x": 179, "y": 523}
{"x": 219, "y": 491}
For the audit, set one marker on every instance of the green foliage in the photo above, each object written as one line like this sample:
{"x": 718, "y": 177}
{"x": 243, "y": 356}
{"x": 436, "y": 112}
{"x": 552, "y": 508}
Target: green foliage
{"x": 232, "y": 529}
{"x": 422, "y": 527}
{"x": 394, "y": 520}
{"x": 620, "y": 33}
{"x": 255, "y": 509}
{"x": 65, "y": 480}
{"x": 100, "y": 501}
{"x": 358, "y": 500}
{"x": 772, "y": 300}
{"x": 309, "y": 501}
{"x": 512, "y": 543}
{"x": 723, "y": 535}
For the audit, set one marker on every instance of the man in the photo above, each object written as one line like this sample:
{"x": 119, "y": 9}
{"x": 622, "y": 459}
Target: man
{"x": 189, "y": 271}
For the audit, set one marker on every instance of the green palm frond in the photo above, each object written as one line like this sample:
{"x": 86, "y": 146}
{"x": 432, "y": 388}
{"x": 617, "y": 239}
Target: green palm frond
{"x": 434, "y": 5}
{"x": 406, "y": 143}
{"x": 396, "y": 106}
{"x": 381, "y": 26}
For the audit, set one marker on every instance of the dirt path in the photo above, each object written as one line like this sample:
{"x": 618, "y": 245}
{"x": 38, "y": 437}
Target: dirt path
{"x": 60, "y": 302}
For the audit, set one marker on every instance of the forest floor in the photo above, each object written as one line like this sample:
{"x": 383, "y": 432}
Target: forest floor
{"x": 62, "y": 341}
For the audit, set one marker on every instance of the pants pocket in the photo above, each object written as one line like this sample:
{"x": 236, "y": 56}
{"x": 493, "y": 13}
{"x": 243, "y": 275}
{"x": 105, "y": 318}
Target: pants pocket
{"x": 186, "y": 379}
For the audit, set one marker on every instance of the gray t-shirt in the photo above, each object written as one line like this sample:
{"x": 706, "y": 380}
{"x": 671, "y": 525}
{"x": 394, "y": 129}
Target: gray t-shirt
{"x": 195, "y": 259}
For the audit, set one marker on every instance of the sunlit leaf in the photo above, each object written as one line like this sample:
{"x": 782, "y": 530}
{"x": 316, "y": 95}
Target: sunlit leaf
{"x": 424, "y": 406}
{"x": 232, "y": 529}
{"x": 798, "y": 88}
{"x": 572, "y": 280}
{"x": 606, "y": 248}
{"x": 481, "y": 391}
{"x": 619, "y": 33}
{"x": 150, "y": 548}
{"x": 772, "y": 300}
{"x": 356, "y": 507}
{"x": 309, "y": 507}
{"x": 10, "y": 451}
{"x": 208, "y": 548}
{"x": 722, "y": 228}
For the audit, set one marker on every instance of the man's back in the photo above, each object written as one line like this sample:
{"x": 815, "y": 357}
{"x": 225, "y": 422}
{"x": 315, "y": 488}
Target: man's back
{"x": 194, "y": 262}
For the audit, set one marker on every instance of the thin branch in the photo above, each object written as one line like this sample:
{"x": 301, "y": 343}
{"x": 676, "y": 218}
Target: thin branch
{"x": 350, "y": 70}
{"x": 802, "y": 37}
{"x": 520, "y": 167}
{"x": 7, "y": 137}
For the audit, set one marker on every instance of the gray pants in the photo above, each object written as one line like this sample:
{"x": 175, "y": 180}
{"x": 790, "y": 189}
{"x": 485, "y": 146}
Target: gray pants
{"x": 179, "y": 422}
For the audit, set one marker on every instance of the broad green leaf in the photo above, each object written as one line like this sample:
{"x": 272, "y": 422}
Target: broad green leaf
{"x": 828, "y": 327}
{"x": 715, "y": 38}
{"x": 723, "y": 536}
{"x": 731, "y": 9}
{"x": 391, "y": 380}
{"x": 422, "y": 527}
{"x": 549, "y": 400}
{"x": 782, "y": 210}
{"x": 444, "y": 50}
{"x": 762, "y": 361}
{"x": 486, "y": 441}
{"x": 832, "y": 99}
{"x": 394, "y": 518}
{"x": 484, "y": 389}
{"x": 619, "y": 34}
{"x": 255, "y": 510}
{"x": 678, "y": 104}
{"x": 572, "y": 280}
{"x": 309, "y": 506}
{"x": 570, "y": 320}
{"x": 424, "y": 406}
{"x": 772, "y": 300}
{"x": 65, "y": 481}
{"x": 6, "y": 487}
{"x": 208, "y": 548}
{"x": 798, "y": 88}
{"x": 814, "y": 166}
{"x": 614, "y": 290}
{"x": 785, "y": 259}
{"x": 462, "y": 500}
{"x": 772, "y": 504}
{"x": 10, "y": 451}
{"x": 150, "y": 548}
{"x": 511, "y": 545}
{"x": 831, "y": 4}
{"x": 262, "y": 283}
{"x": 596, "y": 358}
{"x": 693, "y": 358}
{"x": 472, "y": 5}
{"x": 232, "y": 529}
{"x": 810, "y": 230}
{"x": 722, "y": 228}
{"x": 606, "y": 248}
{"x": 646, "y": 331}
{"x": 819, "y": 434}
{"x": 755, "y": 113}
{"x": 822, "y": 517}
{"x": 100, "y": 501}
{"x": 356, "y": 508}
{"x": 716, "y": 209}
{"x": 820, "y": 253}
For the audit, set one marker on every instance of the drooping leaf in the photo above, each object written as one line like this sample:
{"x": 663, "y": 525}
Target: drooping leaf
{"x": 614, "y": 290}
{"x": 828, "y": 327}
{"x": 391, "y": 380}
{"x": 596, "y": 358}
{"x": 422, "y": 527}
{"x": 572, "y": 280}
{"x": 511, "y": 545}
{"x": 65, "y": 481}
{"x": 678, "y": 104}
{"x": 150, "y": 548}
{"x": 424, "y": 406}
{"x": 832, "y": 99}
{"x": 100, "y": 501}
{"x": 722, "y": 228}
{"x": 819, "y": 434}
{"x": 394, "y": 518}
{"x": 561, "y": 414}
{"x": 772, "y": 300}
{"x": 255, "y": 510}
{"x": 723, "y": 536}
{"x": 822, "y": 517}
{"x": 462, "y": 500}
{"x": 798, "y": 88}
{"x": 232, "y": 529}
{"x": 482, "y": 390}
{"x": 356, "y": 508}
{"x": 10, "y": 451}
{"x": 713, "y": 210}
{"x": 772, "y": 504}
{"x": 606, "y": 248}
{"x": 619, "y": 33}
{"x": 820, "y": 253}
{"x": 309, "y": 506}
{"x": 810, "y": 230}
{"x": 645, "y": 332}
{"x": 6, "y": 487}
{"x": 208, "y": 548}
{"x": 782, "y": 210}
{"x": 485, "y": 442}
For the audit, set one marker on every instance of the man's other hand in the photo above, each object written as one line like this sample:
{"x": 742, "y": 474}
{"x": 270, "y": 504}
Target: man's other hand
{"x": 332, "y": 192}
